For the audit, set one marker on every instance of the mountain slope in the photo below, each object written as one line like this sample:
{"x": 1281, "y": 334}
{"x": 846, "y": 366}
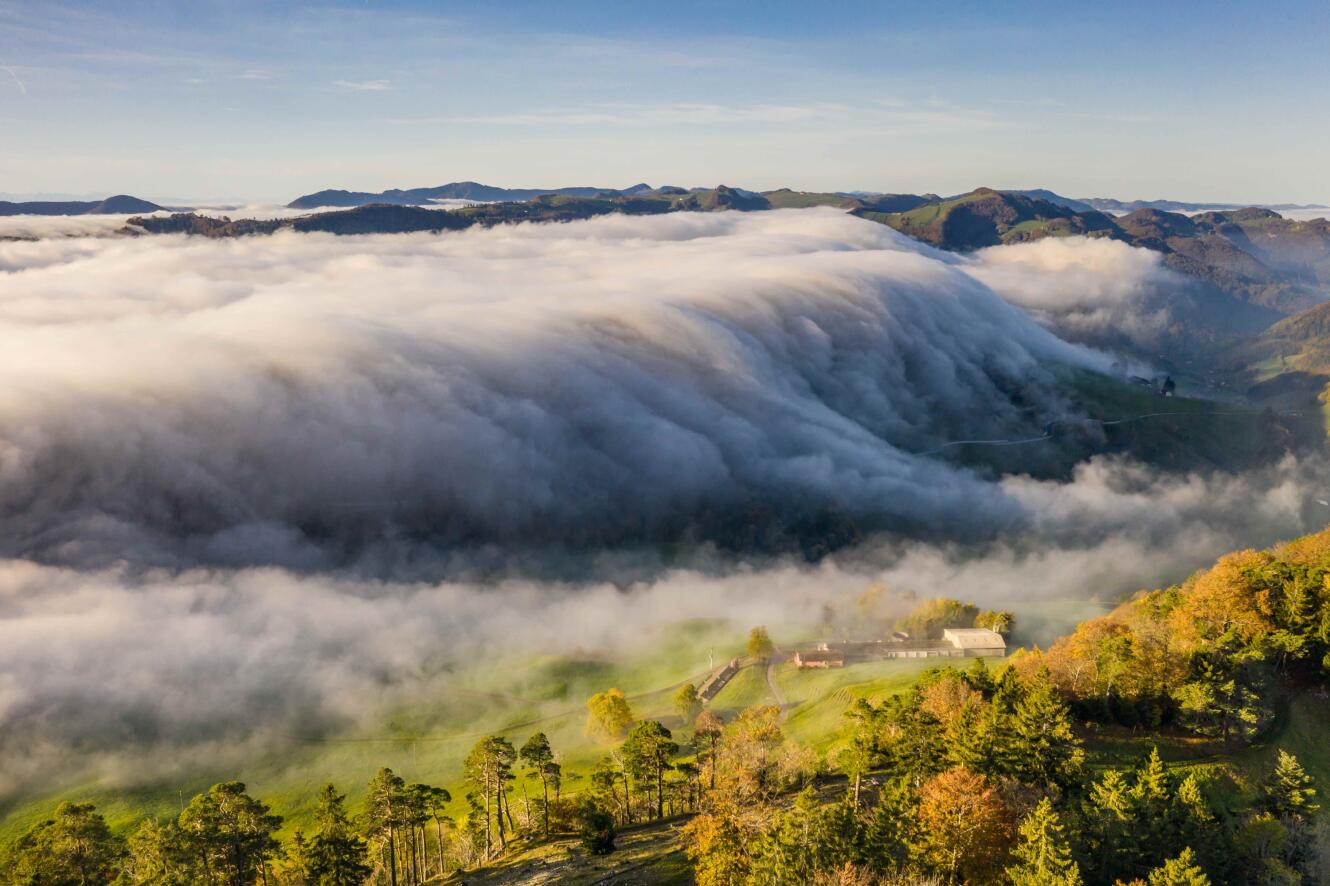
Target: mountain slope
{"x": 1252, "y": 256}
{"x": 985, "y": 217}
{"x": 1108, "y": 204}
{"x": 453, "y": 191}
{"x": 121, "y": 204}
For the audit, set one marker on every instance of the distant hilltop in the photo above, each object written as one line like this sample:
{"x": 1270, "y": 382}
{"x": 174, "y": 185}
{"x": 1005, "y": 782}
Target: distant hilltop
{"x": 452, "y": 191}
{"x": 121, "y": 204}
{"x": 781, "y": 198}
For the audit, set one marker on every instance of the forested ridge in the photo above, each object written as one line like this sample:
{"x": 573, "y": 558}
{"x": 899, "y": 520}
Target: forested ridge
{"x": 1005, "y": 773}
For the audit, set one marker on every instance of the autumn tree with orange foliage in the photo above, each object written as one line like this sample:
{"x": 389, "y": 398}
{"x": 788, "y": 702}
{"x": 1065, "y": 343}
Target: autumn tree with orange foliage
{"x": 967, "y": 830}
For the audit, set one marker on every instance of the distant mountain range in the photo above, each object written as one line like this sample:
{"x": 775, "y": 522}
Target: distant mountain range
{"x": 396, "y": 218}
{"x": 1108, "y": 204}
{"x": 122, "y": 204}
{"x": 1256, "y": 266}
{"x": 452, "y": 191}
{"x": 849, "y": 199}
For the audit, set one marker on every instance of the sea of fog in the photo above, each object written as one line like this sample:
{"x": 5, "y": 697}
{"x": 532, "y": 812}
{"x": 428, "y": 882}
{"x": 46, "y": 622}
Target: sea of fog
{"x": 277, "y": 480}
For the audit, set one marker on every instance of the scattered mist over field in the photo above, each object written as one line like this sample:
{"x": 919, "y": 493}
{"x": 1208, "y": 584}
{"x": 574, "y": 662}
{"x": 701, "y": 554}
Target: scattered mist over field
{"x": 133, "y": 673}
{"x": 250, "y": 487}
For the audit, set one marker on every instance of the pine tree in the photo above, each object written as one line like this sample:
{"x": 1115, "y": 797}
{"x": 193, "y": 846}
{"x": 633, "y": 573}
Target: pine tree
{"x": 1151, "y": 790}
{"x": 648, "y": 752}
{"x": 231, "y": 833}
{"x": 383, "y": 809}
{"x": 789, "y": 851}
{"x": 158, "y": 856}
{"x": 1112, "y": 829}
{"x": 489, "y": 767}
{"x": 336, "y": 856}
{"x": 1289, "y": 791}
{"x": 1043, "y": 856}
{"x": 1047, "y": 750}
{"x": 1180, "y": 871}
{"x": 539, "y": 758}
{"x": 1194, "y": 825}
{"x": 74, "y": 847}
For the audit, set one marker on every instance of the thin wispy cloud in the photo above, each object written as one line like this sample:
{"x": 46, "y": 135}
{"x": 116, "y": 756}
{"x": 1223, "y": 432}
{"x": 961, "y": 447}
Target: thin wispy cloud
{"x": 22, "y": 88}
{"x": 365, "y": 85}
{"x": 256, "y": 74}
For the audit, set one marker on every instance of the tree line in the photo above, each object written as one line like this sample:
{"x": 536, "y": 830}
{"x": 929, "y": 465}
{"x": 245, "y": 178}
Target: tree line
{"x": 975, "y": 775}
{"x": 980, "y": 777}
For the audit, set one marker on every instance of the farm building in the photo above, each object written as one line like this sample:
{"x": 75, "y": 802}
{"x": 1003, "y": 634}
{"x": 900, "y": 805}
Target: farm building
{"x": 976, "y": 642}
{"x": 819, "y": 659}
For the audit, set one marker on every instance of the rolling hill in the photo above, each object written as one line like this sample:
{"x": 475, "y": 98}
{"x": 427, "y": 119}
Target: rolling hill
{"x": 121, "y": 204}
{"x": 467, "y": 190}
{"x": 1252, "y": 256}
{"x": 986, "y": 217}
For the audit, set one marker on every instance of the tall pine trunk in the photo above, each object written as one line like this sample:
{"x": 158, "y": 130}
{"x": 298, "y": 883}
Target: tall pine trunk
{"x": 545, "y": 789}
{"x": 498, "y": 799}
{"x": 438, "y": 827}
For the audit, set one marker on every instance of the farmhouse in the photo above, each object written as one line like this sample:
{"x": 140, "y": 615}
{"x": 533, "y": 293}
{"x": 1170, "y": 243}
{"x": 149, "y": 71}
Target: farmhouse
{"x": 976, "y": 642}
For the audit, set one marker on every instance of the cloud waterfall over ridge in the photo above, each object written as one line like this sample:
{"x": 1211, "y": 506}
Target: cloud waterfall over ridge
{"x": 294, "y": 398}
{"x": 182, "y": 418}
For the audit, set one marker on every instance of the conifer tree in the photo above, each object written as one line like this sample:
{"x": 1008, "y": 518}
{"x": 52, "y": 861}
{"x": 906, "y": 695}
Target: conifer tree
{"x": 489, "y": 768}
{"x": 1047, "y": 751}
{"x": 1194, "y": 825}
{"x": 1180, "y": 871}
{"x": 648, "y": 752}
{"x": 1043, "y": 855}
{"x": 1112, "y": 828}
{"x": 335, "y": 856}
{"x": 1152, "y": 800}
{"x": 383, "y": 809}
{"x": 539, "y": 758}
{"x": 891, "y": 832}
{"x": 73, "y": 847}
{"x": 1289, "y": 791}
{"x": 158, "y": 856}
{"x": 231, "y": 833}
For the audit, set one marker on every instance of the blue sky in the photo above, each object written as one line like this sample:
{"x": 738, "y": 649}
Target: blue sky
{"x": 268, "y": 100}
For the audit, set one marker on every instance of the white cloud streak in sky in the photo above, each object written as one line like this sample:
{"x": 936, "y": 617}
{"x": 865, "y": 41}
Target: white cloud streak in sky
{"x": 365, "y": 85}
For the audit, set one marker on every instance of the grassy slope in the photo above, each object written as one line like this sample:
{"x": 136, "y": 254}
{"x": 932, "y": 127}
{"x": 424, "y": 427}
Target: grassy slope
{"x": 511, "y": 696}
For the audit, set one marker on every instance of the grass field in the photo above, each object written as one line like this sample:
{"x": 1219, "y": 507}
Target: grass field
{"x": 516, "y": 697}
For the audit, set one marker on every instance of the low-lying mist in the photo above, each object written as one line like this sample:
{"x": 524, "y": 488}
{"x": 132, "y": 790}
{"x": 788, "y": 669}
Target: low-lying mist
{"x": 272, "y": 486}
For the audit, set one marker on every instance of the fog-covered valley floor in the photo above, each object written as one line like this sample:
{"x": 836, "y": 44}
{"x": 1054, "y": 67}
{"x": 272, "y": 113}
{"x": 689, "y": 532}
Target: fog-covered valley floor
{"x": 278, "y": 484}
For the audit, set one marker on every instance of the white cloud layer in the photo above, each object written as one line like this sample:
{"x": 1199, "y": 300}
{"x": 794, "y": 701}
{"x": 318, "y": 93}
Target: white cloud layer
{"x": 246, "y": 484}
{"x": 296, "y": 398}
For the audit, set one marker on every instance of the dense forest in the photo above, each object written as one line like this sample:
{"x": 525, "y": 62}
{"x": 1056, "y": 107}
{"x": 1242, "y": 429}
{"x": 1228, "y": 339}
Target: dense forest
{"x": 979, "y": 774}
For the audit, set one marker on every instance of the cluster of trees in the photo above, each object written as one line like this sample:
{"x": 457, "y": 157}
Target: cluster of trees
{"x": 879, "y": 609}
{"x": 1212, "y": 655}
{"x": 973, "y": 776}
{"x": 979, "y": 777}
{"x": 930, "y": 618}
{"x": 225, "y": 837}
{"x": 489, "y": 771}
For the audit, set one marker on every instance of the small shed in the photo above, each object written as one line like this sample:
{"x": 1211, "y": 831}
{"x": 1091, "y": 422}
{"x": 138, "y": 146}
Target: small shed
{"x": 819, "y": 659}
{"x": 976, "y": 642}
